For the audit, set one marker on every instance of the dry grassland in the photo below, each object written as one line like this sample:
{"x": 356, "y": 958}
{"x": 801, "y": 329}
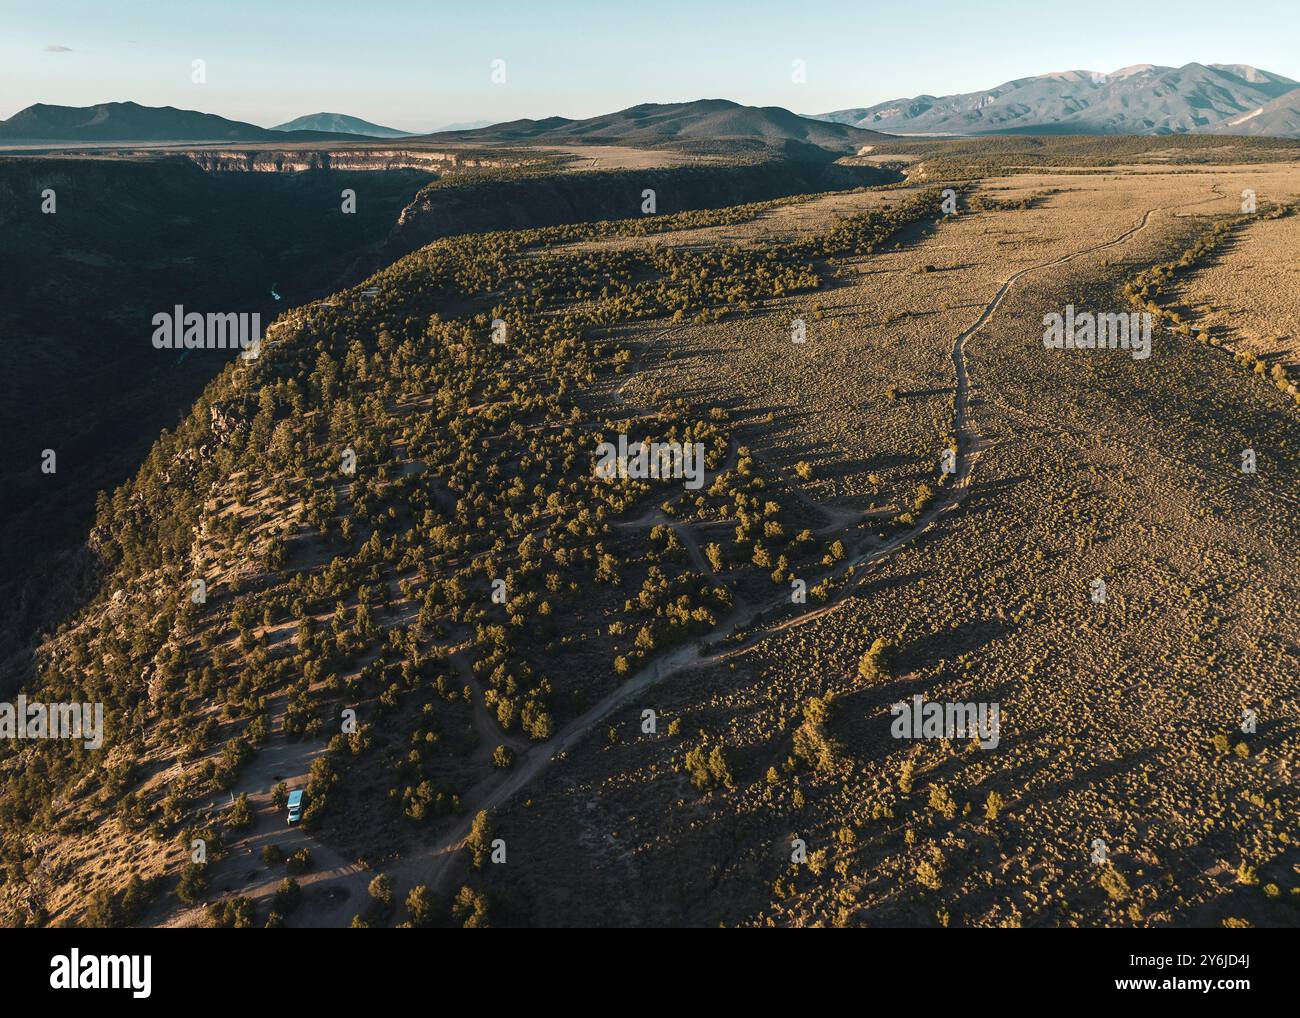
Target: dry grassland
{"x": 1121, "y": 721}
{"x": 1250, "y": 295}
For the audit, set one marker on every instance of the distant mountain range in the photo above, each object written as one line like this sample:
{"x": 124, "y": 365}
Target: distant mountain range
{"x": 1277, "y": 119}
{"x": 341, "y": 123}
{"x": 128, "y": 121}
{"x": 701, "y": 123}
{"x": 468, "y": 125}
{"x": 1142, "y": 99}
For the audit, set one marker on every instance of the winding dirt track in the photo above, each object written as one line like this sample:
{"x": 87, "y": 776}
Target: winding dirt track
{"x": 692, "y": 654}
{"x": 430, "y": 865}
{"x": 967, "y": 438}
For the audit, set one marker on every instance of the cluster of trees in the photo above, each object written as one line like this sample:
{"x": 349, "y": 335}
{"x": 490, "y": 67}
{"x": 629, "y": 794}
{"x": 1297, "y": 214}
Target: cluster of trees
{"x": 987, "y": 203}
{"x": 378, "y": 452}
{"x": 1146, "y": 288}
{"x": 707, "y": 765}
{"x": 976, "y": 158}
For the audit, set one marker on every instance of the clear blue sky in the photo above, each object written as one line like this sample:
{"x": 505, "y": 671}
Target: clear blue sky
{"x": 416, "y": 65}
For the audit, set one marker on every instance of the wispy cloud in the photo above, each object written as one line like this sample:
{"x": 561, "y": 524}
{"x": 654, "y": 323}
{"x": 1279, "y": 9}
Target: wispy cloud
{"x": 59, "y": 49}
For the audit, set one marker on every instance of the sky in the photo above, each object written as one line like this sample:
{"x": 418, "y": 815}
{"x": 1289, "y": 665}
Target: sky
{"x": 420, "y": 66}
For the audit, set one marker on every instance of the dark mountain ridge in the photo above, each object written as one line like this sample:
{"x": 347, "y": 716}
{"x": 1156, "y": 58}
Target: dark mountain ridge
{"x": 655, "y": 125}
{"x": 129, "y": 121}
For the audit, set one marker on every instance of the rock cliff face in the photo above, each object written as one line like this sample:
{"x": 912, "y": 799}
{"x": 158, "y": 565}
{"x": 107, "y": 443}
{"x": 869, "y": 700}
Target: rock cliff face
{"x": 296, "y": 160}
{"x": 125, "y": 239}
{"x": 446, "y": 208}
{"x": 216, "y": 230}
